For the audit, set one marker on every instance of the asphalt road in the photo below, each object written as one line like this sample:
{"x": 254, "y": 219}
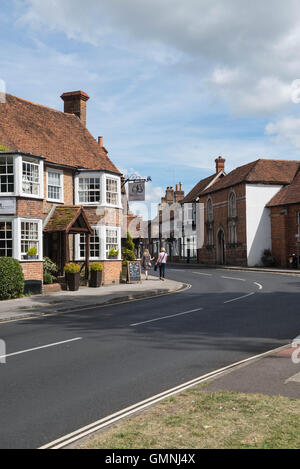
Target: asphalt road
{"x": 98, "y": 361}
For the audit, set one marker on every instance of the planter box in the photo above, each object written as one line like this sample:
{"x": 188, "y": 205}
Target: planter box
{"x": 30, "y": 258}
{"x": 96, "y": 279}
{"x": 73, "y": 281}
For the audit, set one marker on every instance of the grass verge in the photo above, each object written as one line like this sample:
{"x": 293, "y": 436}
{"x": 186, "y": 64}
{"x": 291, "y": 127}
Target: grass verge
{"x": 199, "y": 419}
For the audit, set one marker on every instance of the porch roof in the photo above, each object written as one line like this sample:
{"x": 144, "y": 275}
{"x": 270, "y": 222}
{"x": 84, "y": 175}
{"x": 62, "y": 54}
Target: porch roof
{"x": 70, "y": 220}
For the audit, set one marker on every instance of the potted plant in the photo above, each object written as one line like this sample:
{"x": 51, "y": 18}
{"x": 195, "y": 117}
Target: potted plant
{"x": 96, "y": 275}
{"x": 31, "y": 254}
{"x": 72, "y": 272}
{"x": 113, "y": 253}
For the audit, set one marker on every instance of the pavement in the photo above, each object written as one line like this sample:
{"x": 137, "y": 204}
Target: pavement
{"x": 276, "y": 374}
{"x": 63, "y": 301}
{"x": 270, "y": 270}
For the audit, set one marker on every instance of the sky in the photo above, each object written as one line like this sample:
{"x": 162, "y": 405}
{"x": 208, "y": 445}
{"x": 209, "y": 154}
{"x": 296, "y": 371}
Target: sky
{"x": 173, "y": 83}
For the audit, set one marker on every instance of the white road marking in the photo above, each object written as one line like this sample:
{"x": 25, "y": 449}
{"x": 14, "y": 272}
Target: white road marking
{"x": 239, "y": 298}
{"x": 165, "y": 317}
{"x": 235, "y": 278}
{"x": 200, "y": 273}
{"x": 39, "y": 348}
{"x": 259, "y": 285}
{"x": 130, "y": 411}
{"x": 295, "y": 379}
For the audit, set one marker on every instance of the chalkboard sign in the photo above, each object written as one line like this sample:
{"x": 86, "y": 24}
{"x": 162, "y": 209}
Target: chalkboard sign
{"x": 134, "y": 273}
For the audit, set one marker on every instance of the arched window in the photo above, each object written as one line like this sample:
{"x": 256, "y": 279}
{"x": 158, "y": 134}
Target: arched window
{"x": 232, "y": 205}
{"x": 210, "y": 211}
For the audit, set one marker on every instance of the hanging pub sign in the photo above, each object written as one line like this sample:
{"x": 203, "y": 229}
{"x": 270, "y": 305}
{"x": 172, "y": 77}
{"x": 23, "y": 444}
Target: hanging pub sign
{"x": 136, "y": 191}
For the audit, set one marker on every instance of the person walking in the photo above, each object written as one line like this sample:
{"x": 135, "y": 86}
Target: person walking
{"x": 146, "y": 262}
{"x": 161, "y": 262}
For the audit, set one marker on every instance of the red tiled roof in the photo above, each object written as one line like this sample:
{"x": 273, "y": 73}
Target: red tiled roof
{"x": 260, "y": 172}
{"x": 59, "y": 137}
{"x": 287, "y": 195}
{"x": 197, "y": 190}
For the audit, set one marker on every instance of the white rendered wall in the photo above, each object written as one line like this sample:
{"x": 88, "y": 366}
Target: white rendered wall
{"x": 258, "y": 220}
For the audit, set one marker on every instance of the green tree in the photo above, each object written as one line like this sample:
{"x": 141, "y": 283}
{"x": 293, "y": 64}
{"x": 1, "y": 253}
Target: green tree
{"x": 128, "y": 251}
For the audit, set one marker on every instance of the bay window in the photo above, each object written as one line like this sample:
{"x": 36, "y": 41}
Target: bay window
{"x": 112, "y": 240}
{"x": 29, "y": 237}
{"x": 89, "y": 190}
{"x": 94, "y": 245}
{"x": 30, "y": 178}
{"x": 6, "y": 239}
{"x": 7, "y": 183}
{"x": 112, "y": 191}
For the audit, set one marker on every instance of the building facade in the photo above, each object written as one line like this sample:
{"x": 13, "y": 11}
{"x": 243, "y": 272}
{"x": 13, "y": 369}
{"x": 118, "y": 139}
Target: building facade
{"x": 236, "y": 217}
{"x": 59, "y": 191}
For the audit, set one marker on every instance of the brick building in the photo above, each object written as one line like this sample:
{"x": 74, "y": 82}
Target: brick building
{"x": 59, "y": 191}
{"x": 236, "y": 215}
{"x": 285, "y": 222}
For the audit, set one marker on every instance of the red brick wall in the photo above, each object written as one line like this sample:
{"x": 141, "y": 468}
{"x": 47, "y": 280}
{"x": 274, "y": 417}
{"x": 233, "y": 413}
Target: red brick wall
{"x": 284, "y": 229}
{"x": 111, "y": 272}
{"x": 32, "y": 270}
{"x": 234, "y": 254}
{"x": 108, "y": 216}
{"x": 29, "y": 208}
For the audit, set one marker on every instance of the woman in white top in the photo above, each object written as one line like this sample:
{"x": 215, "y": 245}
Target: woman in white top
{"x": 161, "y": 262}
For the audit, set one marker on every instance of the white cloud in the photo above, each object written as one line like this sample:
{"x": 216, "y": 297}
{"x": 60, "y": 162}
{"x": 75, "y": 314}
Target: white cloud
{"x": 249, "y": 51}
{"x": 285, "y": 130}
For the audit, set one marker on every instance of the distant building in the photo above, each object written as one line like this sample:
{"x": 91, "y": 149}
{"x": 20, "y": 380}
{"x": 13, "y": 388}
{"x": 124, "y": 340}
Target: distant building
{"x": 242, "y": 211}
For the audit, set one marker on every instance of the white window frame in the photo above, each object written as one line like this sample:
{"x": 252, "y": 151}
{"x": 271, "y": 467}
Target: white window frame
{"x": 102, "y": 235}
{"x": 18, "y": 176}
{"x": 40, "y": 239}
{"x": 118, "y": 230}
{"x": 16, "y": 228}
{"x": 117, "y": 180}
{"x": 87, "y": 175}
{"x": 11, "y": 221}
{"x": 7, "y": 194}
{"x": 61, "y": 176}
{"x": 77, "y": 246}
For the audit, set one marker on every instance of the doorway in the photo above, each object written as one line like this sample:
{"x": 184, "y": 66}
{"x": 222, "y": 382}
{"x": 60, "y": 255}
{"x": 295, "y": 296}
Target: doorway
{"x": 221, "y": 247}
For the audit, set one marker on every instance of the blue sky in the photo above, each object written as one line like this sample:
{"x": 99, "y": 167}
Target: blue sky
{"x": 173, "y": 83}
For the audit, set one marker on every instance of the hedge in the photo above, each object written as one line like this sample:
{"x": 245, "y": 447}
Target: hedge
{"x": 11, "y": 278}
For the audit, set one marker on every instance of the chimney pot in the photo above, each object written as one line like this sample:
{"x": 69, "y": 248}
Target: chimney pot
{"x": 75, "y": 103}
{"x": 220, "y": 164}
{"x": 100, "y": 141}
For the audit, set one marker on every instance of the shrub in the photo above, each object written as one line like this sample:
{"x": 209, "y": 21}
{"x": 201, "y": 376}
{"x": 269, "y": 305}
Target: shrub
{"x": 48, "y": 279}
{"x": 11, "y": 279}
{"x": 113, "y": 253}
{"x": 72, "y": 268}
{"x": 97, "y": 267}
{"x": 50, "y": 268}
{"x": 32, "y": 252}
{"x": 128, "y": 251}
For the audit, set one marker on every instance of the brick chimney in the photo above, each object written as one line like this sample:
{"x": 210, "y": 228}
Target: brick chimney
{"x": 75, "y": 103}
{"x": 220, "y": 164}
{"x": 179, "y": 193}
{"x": 100, "y": 142}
